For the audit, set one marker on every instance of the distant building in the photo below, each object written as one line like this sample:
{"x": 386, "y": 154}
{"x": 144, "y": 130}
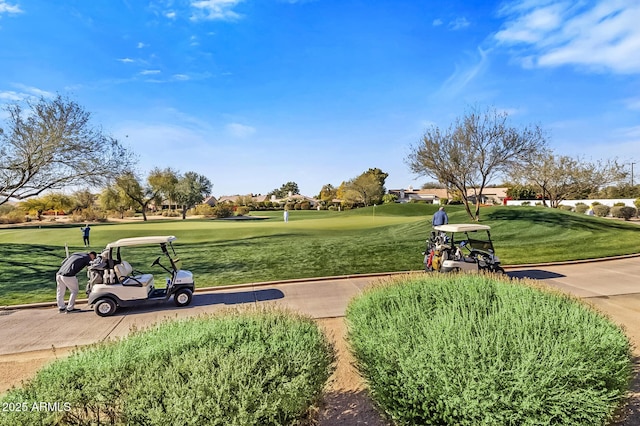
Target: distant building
{"x": 434, "y": 195}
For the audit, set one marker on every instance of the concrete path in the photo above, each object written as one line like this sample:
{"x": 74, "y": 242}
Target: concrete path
{"x": 613, "y": 286}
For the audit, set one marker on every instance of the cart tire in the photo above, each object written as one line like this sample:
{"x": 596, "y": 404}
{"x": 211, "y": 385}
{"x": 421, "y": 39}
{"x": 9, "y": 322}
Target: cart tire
{"x": 182, "y": 297}
{"x": 500, "y": 271}
{"x": 105, "y": 307}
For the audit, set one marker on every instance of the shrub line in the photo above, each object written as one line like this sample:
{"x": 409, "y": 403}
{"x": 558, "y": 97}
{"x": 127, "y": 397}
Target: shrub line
{"x": 337, "y": 277}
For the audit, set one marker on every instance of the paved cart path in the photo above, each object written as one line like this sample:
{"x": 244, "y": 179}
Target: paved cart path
{"x": 612, "y": 285}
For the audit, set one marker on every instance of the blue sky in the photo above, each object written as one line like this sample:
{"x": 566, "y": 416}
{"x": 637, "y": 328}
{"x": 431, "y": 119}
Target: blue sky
{"x": 255, "y": 93}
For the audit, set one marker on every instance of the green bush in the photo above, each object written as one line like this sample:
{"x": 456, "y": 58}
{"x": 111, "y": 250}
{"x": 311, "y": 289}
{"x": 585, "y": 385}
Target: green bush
{"x": 525, "y": 203}
{"x": 389, "y": 198}
{"x": 223, "y": 210}
{"x": 204, "y": 210}
{"x": 565, "y": 208}
{"x": 637, "y": 203}
{"x": 260, "y": 368}
{"x": 484, "y": 351}
{"x": 600, "y": 210}
{"x": 581, "y": 208}
{"x": 619, "y": 204}
{"x": 89, "y": 215}
{"x": 13, "y": 216}
{"x": 242, "y": 210}
{"x": 623, "y": 212}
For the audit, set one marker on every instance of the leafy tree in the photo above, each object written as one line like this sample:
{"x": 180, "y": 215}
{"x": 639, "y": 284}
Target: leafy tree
{"x": 143, "y": 194}
{"x": 328, "y": 193}
{"x": 389, "y": 198}
{"x": 83, "y": 199}
{"x": 285, "y": 189}
{"x": 364, "y": 189}
{"x": 560, "y": 177}
{"x": 433, "y": 185}
{"x": 191, "y": 190}
{"x": 475, "y": 149}
{"x": 522, "y": 192}
{"x": 37, "y": 205}
{"x": 52, "y": 144}
{"x": 113, "y": 198}
{"x": 60, "y": 202}
{"x": 380, "y": 177}
{"x": 166, "y": 182}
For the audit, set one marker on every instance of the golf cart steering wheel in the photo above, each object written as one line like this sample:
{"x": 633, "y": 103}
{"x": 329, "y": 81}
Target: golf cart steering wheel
{"x": 156, "y": 262}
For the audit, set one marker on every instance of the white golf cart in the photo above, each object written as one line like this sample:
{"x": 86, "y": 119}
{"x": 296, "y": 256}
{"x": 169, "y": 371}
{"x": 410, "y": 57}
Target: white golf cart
{"x": 461, "y": 247}
{"x": 113, "y": 282}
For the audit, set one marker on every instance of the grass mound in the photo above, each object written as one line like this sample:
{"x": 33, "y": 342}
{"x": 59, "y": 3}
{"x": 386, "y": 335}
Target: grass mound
{"x": 474, "y": 350}
{"x": 260, "y": 368}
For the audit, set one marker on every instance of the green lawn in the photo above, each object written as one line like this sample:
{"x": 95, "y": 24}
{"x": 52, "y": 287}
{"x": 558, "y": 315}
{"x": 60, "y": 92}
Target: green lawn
{"x": 375, "y": 239}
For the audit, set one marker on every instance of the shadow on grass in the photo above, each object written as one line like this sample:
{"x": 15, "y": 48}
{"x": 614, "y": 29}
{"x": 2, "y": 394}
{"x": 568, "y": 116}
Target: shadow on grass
{"x": 348, "y": 407}
{"x": 28, "y": 268}
{"x": 209, "y": 299}
{"x": 534, "y": 274}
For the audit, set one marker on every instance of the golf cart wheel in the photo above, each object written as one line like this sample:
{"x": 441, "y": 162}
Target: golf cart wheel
{"x": 105, "y": 307}
{"x": 182, "y": 297}
{"x": 499, "y": 270}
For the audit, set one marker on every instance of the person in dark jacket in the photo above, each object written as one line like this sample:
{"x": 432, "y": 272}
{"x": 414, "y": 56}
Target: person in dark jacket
{"x": 66, "y": 279}
{"x": 440, "y": 217}
{"x": 85, "y": 235}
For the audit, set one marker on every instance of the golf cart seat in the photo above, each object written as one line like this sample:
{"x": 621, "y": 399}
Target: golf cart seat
{"x": 124, "y": 273}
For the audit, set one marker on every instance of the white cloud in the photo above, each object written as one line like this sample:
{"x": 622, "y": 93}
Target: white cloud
{"x": 437, "y": 22}
{"x": 463, "y": 75}
{"x": 214, "y": 10}
{"x": 458, "y": 24}
{"x": 141, "y": 45}
{"x": 10, "y": 95}
{"x": 633, "y": 103}
{"x": 126, "y": 60}
{"x": 238, "y": 130}
{"x": 170, "y": 15}
{"x": 601, "y": 35}
{"x": 9, "y": 8}
{"x": 181, "y": 77}
{"x": 149, "y": 72}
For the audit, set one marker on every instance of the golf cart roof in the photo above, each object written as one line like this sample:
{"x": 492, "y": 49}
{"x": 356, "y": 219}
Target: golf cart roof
{"x": 141, "y": 241}
{"x": 462, "y": 227}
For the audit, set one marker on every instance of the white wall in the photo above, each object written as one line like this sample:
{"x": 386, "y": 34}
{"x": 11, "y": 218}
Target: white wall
{"x": 606, "y": 202}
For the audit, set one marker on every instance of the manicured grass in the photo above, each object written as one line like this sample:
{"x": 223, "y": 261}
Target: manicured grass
{"x": 485, "y": 351}
{"x": 253, "y": 368}
{"x": 314, "y": 243}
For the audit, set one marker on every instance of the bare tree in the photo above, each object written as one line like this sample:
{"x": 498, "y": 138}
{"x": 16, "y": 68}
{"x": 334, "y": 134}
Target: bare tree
{"x": 52, "y": 144}
{"x": 475, "y": 149}
{"x": 560, "y": 177}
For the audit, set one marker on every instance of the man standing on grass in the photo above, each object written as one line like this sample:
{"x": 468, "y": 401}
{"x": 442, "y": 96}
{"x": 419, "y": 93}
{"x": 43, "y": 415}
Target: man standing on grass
{"x": 66, "y": 279}
{"x": 440, "y": 217}
{"x": 85, "y": 235}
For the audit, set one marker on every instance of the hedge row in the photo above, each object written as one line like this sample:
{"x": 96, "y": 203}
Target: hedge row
{"x": 263, "y": 368}
{"x": 474, "y": 350}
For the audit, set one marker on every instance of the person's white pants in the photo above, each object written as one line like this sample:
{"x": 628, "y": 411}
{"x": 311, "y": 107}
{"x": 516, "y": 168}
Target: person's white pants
{"x": 65, "y": 283}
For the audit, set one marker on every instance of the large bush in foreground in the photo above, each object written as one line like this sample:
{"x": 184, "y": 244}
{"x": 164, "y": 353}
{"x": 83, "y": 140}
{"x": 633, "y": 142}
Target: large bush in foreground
{"x": 474, "y": 350}
{"x": 261, "y": 368}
